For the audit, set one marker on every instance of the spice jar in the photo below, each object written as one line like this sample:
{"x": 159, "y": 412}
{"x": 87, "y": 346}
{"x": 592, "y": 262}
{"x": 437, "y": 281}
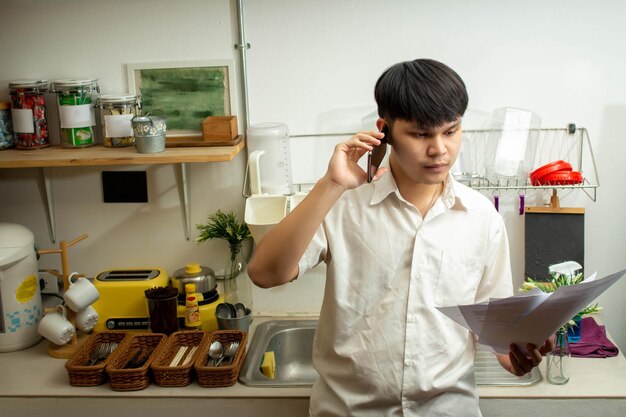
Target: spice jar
{"x": 28, "y": 113}
{"x": 76, "y": 99}
{"x": 6, "y": 129}
{"x": 116, "y": 112}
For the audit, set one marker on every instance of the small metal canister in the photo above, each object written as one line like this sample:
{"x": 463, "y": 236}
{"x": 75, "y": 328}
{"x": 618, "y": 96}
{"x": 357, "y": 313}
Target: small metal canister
{"x": 116, "y": 113}
{"x": 149, "y": 132}
{"x": 6, "y": 130}
{"x": 76, "y": 100}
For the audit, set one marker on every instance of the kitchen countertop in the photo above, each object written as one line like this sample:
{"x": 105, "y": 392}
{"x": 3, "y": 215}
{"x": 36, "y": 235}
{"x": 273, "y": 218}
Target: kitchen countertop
{"x": 32, "y": 374}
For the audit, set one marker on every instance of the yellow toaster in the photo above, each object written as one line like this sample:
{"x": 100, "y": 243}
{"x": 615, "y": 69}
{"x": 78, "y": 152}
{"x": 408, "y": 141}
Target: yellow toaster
{"x": 122, "y": 304}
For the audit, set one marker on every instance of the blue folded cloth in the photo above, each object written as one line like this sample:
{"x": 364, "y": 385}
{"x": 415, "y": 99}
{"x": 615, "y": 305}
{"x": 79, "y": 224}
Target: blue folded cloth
{"x": 593, "y": 341}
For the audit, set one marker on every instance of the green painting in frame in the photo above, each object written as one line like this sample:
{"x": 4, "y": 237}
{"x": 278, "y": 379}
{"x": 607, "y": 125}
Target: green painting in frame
{"x": 185, "y": 92}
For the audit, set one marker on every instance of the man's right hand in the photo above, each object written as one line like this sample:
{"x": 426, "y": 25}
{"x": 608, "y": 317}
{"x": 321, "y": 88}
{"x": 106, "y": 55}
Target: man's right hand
{"x": 343, "y": 169}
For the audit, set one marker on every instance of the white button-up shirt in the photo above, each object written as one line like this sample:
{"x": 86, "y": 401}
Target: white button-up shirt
{"x": 381, "y": 347}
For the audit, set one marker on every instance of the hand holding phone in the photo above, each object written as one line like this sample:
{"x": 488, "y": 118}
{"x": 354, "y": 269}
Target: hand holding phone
{"x": 376, "y": 155}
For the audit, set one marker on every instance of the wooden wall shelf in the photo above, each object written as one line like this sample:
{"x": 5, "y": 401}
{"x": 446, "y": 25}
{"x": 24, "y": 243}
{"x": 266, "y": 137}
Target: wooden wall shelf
{"x": 58, "y": 157}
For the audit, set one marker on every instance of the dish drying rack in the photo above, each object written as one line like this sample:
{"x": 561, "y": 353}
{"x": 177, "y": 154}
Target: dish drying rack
{"x": 544, "y": 145}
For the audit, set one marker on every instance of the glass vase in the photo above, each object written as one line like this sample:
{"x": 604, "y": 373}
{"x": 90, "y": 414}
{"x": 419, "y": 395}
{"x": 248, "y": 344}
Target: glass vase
{"x": 237, "y": 284}
{"x": 558, "y": 360}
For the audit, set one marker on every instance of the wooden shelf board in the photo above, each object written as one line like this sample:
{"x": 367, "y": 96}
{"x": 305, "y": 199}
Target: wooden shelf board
{"x": 57, "y": 156}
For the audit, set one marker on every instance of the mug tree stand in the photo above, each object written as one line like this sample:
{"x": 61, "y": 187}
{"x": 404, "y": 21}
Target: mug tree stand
{"x": 65, "y": 351}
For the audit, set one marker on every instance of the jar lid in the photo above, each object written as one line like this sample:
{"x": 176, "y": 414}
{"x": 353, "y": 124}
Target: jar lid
{"x": 117, "y": 99}
{"x": 13, "y": 235}
{"x": 70, "y": 84}
{"x": 35, "y": 84}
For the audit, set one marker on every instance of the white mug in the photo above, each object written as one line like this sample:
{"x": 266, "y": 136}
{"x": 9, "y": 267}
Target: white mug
{"x": 80, "y": 294}
{"x": 86, "y": 319}
{"x": 56, "y": 327}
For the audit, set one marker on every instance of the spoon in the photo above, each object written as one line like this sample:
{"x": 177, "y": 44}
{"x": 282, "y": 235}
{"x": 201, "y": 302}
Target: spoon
{"x": 233, "y": 310}
{"x": 223, "y": 311}
{"x": 216, "y": 352}
{"x": 241, "y": 310}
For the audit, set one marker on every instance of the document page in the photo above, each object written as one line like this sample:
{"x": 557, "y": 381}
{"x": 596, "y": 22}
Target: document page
{"x": 528, "y": 318}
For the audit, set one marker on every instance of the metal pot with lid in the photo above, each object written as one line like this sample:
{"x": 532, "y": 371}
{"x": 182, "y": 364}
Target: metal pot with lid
{"x": 193, "y": 273}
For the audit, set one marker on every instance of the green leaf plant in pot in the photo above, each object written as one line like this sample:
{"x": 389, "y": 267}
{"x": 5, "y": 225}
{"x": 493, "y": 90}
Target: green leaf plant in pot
{"x": 226, "y": 226}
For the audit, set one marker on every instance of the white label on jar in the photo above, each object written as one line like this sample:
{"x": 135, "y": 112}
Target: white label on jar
{"x": 81, "y": 115}
{"x": 118, "y": 126}
{"x": 23, "y": 120}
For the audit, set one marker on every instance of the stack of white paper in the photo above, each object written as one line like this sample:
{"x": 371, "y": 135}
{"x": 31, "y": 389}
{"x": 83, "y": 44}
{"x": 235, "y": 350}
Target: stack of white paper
{"x": 528, "y": 318}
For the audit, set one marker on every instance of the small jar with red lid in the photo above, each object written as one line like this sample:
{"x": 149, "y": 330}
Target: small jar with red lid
{"x": 28, "y": 113}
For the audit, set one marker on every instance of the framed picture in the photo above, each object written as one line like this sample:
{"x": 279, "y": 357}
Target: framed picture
{"x": 185, "y": 92}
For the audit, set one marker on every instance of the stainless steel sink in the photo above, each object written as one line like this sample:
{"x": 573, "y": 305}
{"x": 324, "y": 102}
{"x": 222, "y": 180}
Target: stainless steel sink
{"x": 292, "y": 344}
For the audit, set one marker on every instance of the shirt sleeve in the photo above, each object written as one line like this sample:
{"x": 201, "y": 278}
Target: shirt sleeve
{"x": 316, "y": 251}
{"x": 497, "y": 280}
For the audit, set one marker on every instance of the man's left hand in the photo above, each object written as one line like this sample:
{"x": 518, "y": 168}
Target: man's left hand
{"x": 518, "y": 363}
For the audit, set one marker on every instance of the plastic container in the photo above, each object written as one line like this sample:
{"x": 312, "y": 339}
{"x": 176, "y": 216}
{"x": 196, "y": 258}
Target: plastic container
{"x": 28, "y": 112}
{"x": 275, "y": 169}
{"x": 6, "y": 125}
{"x": 76, "y": 100}
{"x": 116, "y": 113}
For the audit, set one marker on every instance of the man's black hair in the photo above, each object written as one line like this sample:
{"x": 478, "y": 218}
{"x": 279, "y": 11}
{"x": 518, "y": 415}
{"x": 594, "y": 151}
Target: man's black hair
{"x": 424, "y": 90}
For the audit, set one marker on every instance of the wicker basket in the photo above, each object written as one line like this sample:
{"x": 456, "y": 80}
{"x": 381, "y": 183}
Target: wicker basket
{"x": 134, "y": 379}
{"x": 82, "y": 375}
{"x": 182, "y": 375}
{"x": 222, "y": 376}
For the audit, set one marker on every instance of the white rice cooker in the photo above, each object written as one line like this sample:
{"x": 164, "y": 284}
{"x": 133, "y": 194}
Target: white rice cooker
{"x": 20, "y": 297}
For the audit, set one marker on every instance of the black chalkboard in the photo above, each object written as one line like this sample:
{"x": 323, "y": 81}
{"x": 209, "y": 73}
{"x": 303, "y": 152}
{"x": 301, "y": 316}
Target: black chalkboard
{"x": 553, "y": 235}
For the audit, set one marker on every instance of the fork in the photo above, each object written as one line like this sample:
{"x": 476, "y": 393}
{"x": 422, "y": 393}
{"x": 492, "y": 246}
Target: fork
{"x": 229, "y": 353}
{"x": 101, "y": 352}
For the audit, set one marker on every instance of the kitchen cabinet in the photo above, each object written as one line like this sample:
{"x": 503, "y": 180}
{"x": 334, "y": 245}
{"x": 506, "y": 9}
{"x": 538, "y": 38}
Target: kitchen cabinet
{"x": 58, "y": 157}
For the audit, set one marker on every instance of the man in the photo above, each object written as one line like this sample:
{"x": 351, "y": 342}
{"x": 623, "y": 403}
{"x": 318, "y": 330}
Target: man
{"x": 395, "y": 249}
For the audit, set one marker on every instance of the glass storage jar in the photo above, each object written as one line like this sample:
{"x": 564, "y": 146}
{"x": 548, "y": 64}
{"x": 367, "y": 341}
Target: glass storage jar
{"x": 28, "y": 113}
{"x": 76, "y": 100}
{"x": 116, "y": 112}
{"x": 6, "y": 129}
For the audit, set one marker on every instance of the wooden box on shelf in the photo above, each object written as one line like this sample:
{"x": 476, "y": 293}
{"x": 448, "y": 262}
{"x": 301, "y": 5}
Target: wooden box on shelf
{"x": 219, "y": 128}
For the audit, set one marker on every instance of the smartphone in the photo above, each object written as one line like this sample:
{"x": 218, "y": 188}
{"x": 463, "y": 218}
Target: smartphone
{"x": 376, "y": 155}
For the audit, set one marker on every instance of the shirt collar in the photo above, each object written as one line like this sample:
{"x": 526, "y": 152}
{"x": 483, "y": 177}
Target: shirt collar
{"x": 454, "y": 196}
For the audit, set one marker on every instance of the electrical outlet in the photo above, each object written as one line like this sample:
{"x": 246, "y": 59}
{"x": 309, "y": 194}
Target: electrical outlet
{"x": 48, "y": 282}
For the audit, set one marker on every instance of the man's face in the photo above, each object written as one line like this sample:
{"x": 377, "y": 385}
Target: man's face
{"x": 424, "y": 156}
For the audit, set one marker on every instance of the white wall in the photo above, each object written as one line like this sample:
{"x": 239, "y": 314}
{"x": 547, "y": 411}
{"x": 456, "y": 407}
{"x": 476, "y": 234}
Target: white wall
{"x": 313, "y": 65}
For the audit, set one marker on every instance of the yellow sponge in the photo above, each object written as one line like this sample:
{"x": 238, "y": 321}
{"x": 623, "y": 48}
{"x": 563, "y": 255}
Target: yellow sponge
{"x": 268, "y": 365}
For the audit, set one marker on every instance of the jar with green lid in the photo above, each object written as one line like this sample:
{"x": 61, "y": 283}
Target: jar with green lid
{"x": 116, "y": 112}
{"x": 76, "y": 100}
{"x": 28, "y": 113}
{"x": 6, "y": 130}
